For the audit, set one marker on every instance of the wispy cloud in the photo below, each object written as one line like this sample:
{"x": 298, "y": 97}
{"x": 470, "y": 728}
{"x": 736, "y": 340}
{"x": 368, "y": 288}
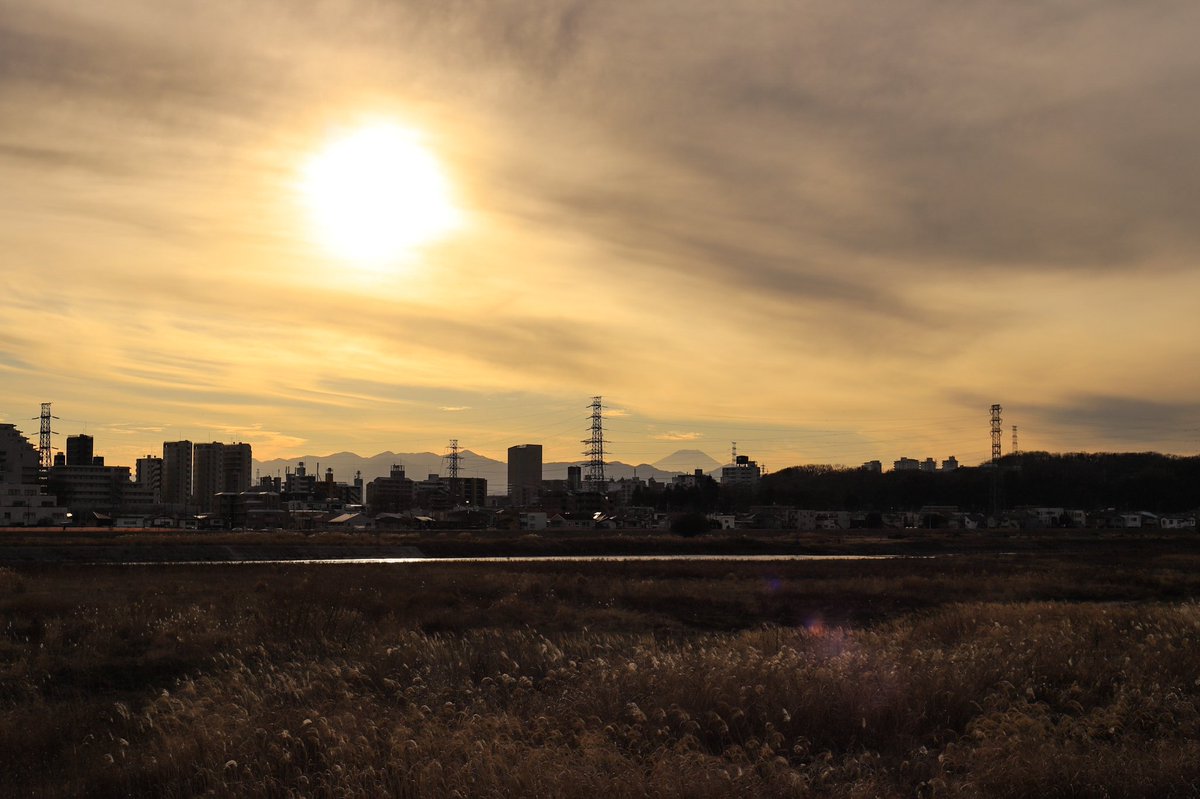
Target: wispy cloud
{"x": 847, "y": 208}
{"x": 672, "y": 435}
{"x": 132, "y": 429}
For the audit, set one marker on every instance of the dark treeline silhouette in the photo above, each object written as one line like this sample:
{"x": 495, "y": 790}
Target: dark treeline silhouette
{"x": 705, "y": 497}
{"x": 1133, "y": 480}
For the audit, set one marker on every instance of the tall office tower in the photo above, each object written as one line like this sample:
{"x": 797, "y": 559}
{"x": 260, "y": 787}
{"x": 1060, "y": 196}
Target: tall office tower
{"x": 217, "y": 468}
{"x": 177, "y": 472}
{"x": 80, "y": 450}
{"x": 150, "y": 474}
{"x": 524, "y": 473}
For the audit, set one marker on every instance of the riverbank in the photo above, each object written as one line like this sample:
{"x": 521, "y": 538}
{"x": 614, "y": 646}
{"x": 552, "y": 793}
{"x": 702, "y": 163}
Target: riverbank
{"x": 159, "y": 546}
{"x": 1032, "y": 673}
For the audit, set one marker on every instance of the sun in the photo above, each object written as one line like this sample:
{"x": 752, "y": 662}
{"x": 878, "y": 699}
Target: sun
{"x": 377, "y": 194}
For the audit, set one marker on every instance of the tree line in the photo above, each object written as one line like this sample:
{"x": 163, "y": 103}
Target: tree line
{"x": 1128, "y": 480}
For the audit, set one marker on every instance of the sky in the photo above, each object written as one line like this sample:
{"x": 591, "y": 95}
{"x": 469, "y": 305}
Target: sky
{"x": 829, "y": 231}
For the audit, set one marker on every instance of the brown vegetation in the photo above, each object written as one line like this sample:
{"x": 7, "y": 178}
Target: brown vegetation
{"x": 177, "y": 545}
{"x": 968, "y": 676}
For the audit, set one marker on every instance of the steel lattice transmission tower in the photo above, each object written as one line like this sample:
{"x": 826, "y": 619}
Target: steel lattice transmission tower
{"x": 996, "y": 433}
{"x": 45, "y": 450}
{"x": 1015, "y": 449}
{"x": 455, "y": 459}
{"x": 595, "y": 449}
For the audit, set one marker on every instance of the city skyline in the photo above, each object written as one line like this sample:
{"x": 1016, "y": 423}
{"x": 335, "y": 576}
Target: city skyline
{"x": 830, "y": 233}
{"x": 900, "y": 450}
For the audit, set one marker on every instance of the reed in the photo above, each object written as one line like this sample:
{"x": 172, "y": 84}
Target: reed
{"x": 968, "y": 677}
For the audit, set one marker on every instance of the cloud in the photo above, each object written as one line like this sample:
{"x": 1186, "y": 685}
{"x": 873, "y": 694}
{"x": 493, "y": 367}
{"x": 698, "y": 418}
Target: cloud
{"x": 132, "y": 429}
{"x": 266, "y": 444}
{"x": 672, "y": 435}
{"x": 839, "y": 207}
{"x": 1117, "y": 421}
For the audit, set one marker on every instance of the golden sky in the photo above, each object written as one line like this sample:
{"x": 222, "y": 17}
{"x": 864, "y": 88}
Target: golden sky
{"x": 830, "y": 231}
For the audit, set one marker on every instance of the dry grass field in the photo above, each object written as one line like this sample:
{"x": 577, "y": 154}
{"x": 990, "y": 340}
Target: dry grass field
{"x": 1049, "y": 675}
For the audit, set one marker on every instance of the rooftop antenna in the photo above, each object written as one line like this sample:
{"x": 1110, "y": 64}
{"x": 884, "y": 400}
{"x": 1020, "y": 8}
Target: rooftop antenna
{"x": 595, "y": 449}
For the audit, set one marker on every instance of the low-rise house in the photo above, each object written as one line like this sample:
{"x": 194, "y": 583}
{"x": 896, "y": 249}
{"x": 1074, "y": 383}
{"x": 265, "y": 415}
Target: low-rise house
{"x": 900, "y": 520}
{"x": 352, "y": 521}
{"x": 394, "y": 521}
{"x": 746, "y": 521}
{"x": 724, "y": 521}
{"x": 571, "y": 521}
{"x": 802, "y": 519}
{"x": 532, "y": 520}
{"x": 636, "y": 517}
{"x": 473, "y": 518}
{"x": 1134, "y": 521}
{"x": 1120, "y": 520}
{"x": 833, "y": 520}
{"x": 774, "y": 517}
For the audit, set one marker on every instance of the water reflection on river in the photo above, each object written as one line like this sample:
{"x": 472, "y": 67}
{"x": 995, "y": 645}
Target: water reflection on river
{"x": 524, "y": 559}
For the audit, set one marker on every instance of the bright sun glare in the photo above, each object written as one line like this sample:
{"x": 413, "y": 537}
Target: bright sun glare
{"x": 377, "y": 194}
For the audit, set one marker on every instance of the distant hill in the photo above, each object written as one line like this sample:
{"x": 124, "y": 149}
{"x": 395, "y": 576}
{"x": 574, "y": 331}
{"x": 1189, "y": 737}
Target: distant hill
{"x": 418, "y": 465}
{"x": 612, "y": 469}
{"x": 688, "y": 461}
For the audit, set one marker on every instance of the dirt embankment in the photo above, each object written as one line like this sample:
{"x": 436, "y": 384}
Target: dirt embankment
{"x": 193, "y": 553}
{"x": 30, "y": 547}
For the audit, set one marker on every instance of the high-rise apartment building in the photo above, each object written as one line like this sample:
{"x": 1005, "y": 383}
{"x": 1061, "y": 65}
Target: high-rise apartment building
{"x": 524, "y": 473}
{"x": 390, "y": 494}
{"x": 150, "y": 474}
{"x": 80, "y": 450}
{"x": 18, "y": 457}
{"x": 207, "y": 477}
{"x": 217, "y": 468}
{"x": 176, "y": 472}
{"x": 238, "y": 467}
{"x": 23, "y": 502}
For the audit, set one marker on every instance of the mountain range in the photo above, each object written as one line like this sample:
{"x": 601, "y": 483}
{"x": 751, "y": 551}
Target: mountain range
{"x": 418, "y": 465}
